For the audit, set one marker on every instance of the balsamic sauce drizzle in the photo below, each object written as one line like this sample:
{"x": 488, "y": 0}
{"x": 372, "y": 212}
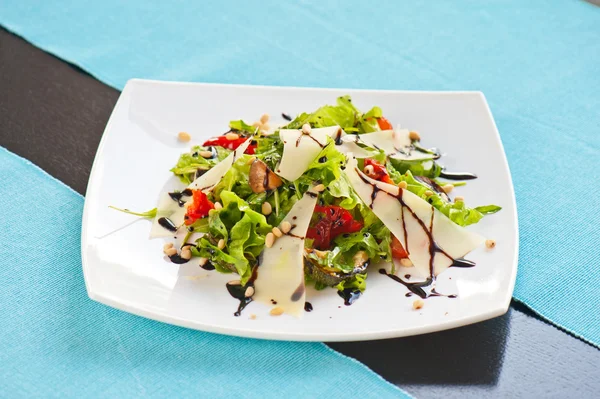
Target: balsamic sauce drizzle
{"x": 238, "y": 291}
{"x": 349, "y": 295}
{"x": 286, "y": 117}
{"x": 426, "y": 288}
{"x": 208, "y": 266}
{"x": 167, "y": 224}
{"x": 178, "y": 195}
{"x": 177, "y": 259}
{"x": 311, "y": 137}
{"x": 308, "y": 307}
{"x": 457, "y": 175}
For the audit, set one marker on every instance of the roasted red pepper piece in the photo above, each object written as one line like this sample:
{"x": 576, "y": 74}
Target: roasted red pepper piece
{"x": 199, "y": 208}
{"x": 379, "y": 171}
{"x": 224, "y": 142}
{"x": 384, "y": 124}
{"x": 334, "y": 220}
{"x": 398, "y": 250}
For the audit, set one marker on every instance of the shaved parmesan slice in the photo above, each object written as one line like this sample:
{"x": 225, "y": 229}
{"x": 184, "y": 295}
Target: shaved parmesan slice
{"x": 300, "y": 149}
{"x": 281, "y": 271}
{"x": 170, "y": 209}
{"x": 419, "y": 227}
{"x": 175, "y": 212}
{"x": 214, "y": 175}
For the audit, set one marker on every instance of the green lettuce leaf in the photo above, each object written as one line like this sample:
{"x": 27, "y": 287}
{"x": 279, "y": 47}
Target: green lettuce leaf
{"x": 241, "y": 126}
{"x": 357, "y": 282}
{"x": 244, "y": 231}
{"x": 344, "y": 114}
{"x": 236, "y": 180}
{"x": 457, "y": 211}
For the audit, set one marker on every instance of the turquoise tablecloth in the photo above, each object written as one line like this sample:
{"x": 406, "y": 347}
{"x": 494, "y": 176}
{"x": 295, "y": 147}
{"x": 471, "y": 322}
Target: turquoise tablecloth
{"x": 56, "y": 342}
{"x": 538, "y": 62}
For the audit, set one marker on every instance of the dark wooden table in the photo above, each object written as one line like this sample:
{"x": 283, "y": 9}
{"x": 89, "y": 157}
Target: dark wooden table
{"x": 54, "y": 114}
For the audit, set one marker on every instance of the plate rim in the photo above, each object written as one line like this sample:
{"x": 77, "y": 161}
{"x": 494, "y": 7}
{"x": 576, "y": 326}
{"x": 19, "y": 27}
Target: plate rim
{"x": 490, "y": 313}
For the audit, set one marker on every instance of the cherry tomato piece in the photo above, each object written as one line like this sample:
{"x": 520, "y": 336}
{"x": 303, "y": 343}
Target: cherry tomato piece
{"x": 199, "y": 208}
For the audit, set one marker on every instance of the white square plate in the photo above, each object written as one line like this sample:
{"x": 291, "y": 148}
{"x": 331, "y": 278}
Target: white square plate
{"x": 126, "y": 270}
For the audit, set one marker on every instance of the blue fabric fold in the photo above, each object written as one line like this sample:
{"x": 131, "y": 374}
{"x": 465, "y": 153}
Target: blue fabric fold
{"x": 56, "y": 342}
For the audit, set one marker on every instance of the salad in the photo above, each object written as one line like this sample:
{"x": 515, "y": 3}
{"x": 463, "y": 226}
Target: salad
{"x": 317, "y": 201}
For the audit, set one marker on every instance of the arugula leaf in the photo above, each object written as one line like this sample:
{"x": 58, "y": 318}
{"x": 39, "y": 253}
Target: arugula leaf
{"x": 488, "y": 209}
{"x": 151, "y": 214}
{"x": 458, "y": 212}
{"x": 426, "y": 168}
{"x": 269, "y": 150}
{"x": 190, "y": 162}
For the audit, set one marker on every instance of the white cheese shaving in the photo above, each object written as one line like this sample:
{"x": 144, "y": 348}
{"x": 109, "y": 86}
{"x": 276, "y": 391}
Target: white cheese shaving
{"x": 171, "y": 209}
{"x": 281, "y": 271}
{"x": 414, "y": 222}
{"x": 300, "y": 150}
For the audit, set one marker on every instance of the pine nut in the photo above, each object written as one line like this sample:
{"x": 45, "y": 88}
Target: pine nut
{"x": 266, "y": 208}
{"x": 269, "y": 240}
{"x": 264, "y": 118}
{"x": 265, "y": 127}
{"x": 186, "y": 254}
{"x": 414, "y": 136}
{"x": 206, "y": 154}
{"x": 428, "y": 193}
{"x": 458, "y": 198}
{"x": 203, "y": 261}
{"x": 306, "y": 129}
{"x": 403, "y": 184}
{"x": 221, "y": 244}
{"x": 277, "y": 232}
{"x": 285, "y": 227}
{"x": 418, "y": 304}
{"x": 490, "y": 243}
{"x": 235, "y": 282}
{"x": 167, "y": 246}
{"x": 232, "y": 136}
{"x": 276, "y": 311}
{"x": 319, "y": 187}
{"x": 171, "y": 252}
{"x": 184, "y": 137}
{"x": 406, "y": 262}
{"x": 249, "y": 292}
{"x": 252, "y": 316}
{"x": 218, "y": 205}
{"x": 448, "y": 187}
